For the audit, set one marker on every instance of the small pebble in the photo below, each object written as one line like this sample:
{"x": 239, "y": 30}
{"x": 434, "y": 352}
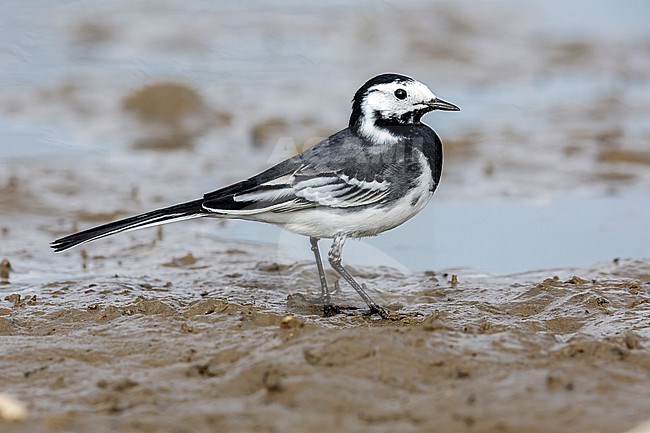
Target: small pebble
{"x": 5, "y": 268}
{"x": 12, "y": 409}
{"x": 291, "y": 322}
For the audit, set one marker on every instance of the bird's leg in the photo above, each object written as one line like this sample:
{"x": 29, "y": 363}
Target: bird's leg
{"x": 334, "y": 257}
{"x": 325, "y": 298}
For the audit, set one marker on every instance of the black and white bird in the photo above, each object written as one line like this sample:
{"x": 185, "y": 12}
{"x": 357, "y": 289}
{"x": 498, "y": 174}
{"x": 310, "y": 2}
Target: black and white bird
{"x": 368, "y": 178}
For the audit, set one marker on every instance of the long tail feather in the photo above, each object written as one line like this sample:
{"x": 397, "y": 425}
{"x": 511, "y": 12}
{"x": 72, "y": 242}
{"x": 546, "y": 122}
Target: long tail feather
{"x": 179, "y": 212}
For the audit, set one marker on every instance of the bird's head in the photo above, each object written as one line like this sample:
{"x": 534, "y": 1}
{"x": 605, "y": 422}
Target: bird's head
{"x": 390, "y": 100}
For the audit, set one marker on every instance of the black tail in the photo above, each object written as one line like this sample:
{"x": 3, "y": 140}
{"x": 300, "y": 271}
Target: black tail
{"x": 179, "y": 212}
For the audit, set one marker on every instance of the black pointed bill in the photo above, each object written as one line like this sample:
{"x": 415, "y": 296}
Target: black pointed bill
{"x": 439, "y": 104}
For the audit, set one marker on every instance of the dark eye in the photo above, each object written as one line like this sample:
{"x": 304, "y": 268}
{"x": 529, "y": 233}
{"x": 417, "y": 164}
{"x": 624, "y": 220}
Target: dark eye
{"x": 400, "y": 94}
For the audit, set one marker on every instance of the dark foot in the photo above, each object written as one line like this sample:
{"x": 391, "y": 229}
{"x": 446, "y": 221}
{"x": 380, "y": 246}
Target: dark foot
{"x": 329, "y": 309}
{"x": 381, "y": 312}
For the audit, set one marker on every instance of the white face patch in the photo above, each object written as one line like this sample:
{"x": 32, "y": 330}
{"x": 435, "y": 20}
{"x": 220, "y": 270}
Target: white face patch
{"x": 381, "y": 99}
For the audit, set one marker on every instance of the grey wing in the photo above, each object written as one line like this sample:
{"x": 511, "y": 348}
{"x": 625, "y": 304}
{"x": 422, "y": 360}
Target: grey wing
{"x": 304, "y": 188}
{"x": 339, "y": 189}
{"x": 318, "y": 177}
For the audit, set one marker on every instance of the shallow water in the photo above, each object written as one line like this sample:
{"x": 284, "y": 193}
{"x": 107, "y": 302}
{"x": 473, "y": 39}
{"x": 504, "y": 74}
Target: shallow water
{"x": 496, "y": 237}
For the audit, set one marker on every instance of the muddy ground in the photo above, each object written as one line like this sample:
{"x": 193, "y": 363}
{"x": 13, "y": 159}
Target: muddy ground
{"x": 530, "y": 354}
{"x": 110, "y": 109}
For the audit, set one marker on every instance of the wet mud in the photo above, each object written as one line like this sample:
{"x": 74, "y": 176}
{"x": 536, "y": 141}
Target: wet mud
{"x": 482, "y": 354}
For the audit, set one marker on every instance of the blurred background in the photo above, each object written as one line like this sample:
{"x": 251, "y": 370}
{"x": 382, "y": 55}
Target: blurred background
{"x": 113, "y": 108}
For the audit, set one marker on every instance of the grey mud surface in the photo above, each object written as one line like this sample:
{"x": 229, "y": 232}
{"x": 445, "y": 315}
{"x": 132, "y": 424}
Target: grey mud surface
{"x": 534, "y": 353}
{"x": 192, "y": 329}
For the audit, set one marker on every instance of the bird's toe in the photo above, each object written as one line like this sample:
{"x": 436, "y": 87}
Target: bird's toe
{"x": 382, "y": 312}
